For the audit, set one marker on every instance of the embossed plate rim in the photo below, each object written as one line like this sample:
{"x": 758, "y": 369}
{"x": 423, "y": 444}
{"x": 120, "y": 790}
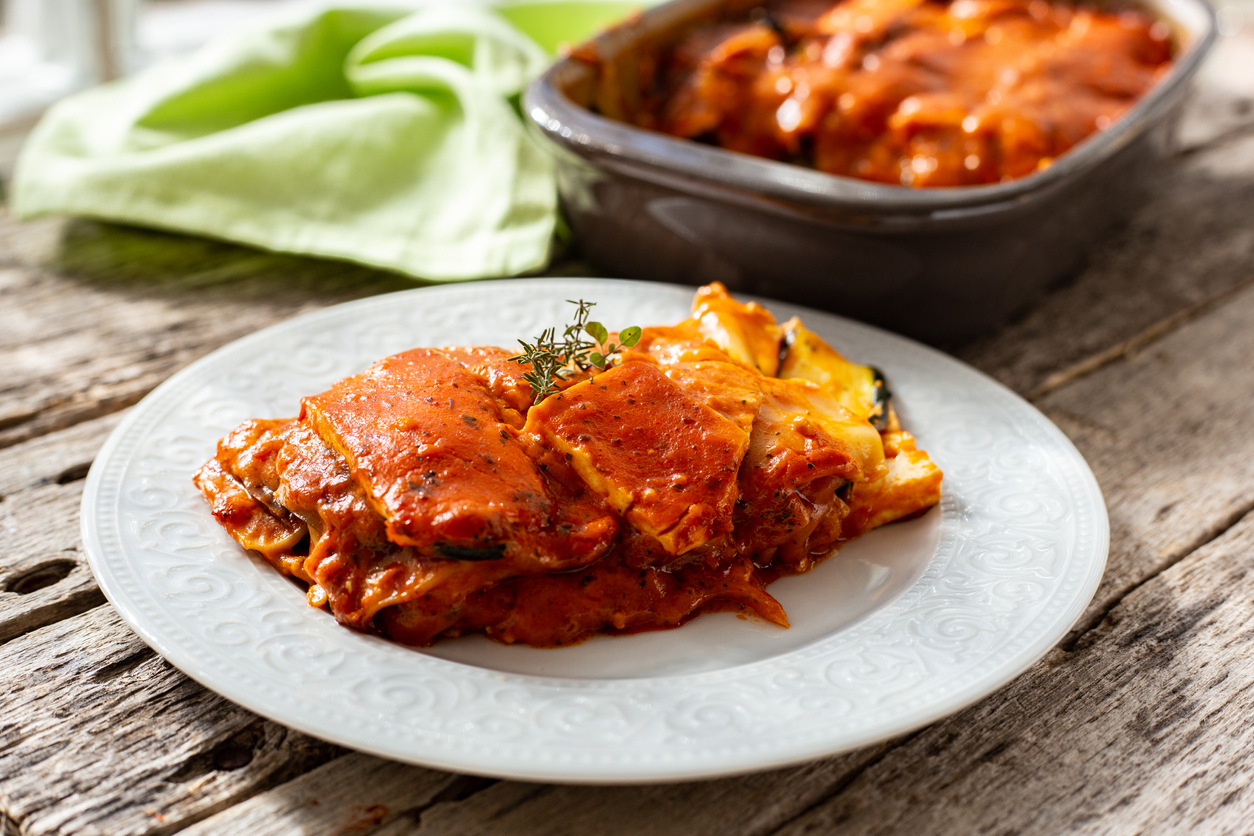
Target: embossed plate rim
{"x": 1005, "y": 584}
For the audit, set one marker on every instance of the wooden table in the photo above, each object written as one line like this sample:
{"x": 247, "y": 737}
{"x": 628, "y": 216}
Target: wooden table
{"x": 1140, "y": 721}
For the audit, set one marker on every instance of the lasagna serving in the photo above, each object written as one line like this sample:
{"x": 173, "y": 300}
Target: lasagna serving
{"x": 438, "y": 493}
{"x": 915, "y": 92}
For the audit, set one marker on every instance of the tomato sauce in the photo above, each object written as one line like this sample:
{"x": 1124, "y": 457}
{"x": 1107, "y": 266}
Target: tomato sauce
{"x": 428, "y": 497}
{"x": 912, "y": 92}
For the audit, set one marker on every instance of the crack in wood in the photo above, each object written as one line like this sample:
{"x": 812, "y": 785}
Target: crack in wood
{"x": 535, "y": 792}
{"x": 75, "y": 604}
{"x": 60, "y": 419}
{"x": 1224, "y": 137}
{"x": 73, "y": 473}
{"x": 127, "y": 663}
{"x": 235, "y": 752}
{"x": 846, "y": 780}
{"x": 9, "y": 826}
{"x": 13, "y": 419}
{"x": 43, "y": 589}
{"x": 40, "y": 577}
{"x": 1205, "y": 538}
{"x": 1171, "y": 633}
{"x": 1141, "y": 340}
{"x": 461, "y": 788}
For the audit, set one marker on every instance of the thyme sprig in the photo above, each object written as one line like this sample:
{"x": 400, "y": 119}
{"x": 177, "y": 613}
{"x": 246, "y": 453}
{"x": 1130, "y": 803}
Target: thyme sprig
{"x": 553, "y": 360}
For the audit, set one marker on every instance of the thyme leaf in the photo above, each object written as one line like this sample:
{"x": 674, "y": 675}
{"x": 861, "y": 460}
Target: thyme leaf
{"x": 554, "y": 359}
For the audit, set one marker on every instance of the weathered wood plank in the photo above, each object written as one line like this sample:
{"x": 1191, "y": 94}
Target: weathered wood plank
{"x": 390, "y": 799}
{"x": 351, "y": 794}
{"x": 1167, "y": 421}
{"x": 1143, "y": 728}
{"x": 1222, "y": 105}
{"x": 60, "y": 457}
{"x": 43, "y": 575}
{"x": 1103, "y": 739}
{"x": 1193, "y": 241}
{"x": 40, "y": 520}
{"x": 144, "y": 303}
{"x": 98, "y": 735}
{"x": 1167, "y": 433}
{"x": 754, "y": 804}
{"x": 94, "y": 317}
{"x": 44, "y": 589}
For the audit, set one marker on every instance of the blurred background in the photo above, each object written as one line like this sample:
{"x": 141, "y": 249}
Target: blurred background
{"x": 52, "y": 48}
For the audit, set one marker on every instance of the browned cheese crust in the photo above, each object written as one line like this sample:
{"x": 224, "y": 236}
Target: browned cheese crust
{"x": 427, "y": 497}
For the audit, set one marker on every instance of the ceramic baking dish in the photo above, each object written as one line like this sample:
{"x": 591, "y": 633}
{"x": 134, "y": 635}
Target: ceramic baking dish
{"x": 940, "y": 264}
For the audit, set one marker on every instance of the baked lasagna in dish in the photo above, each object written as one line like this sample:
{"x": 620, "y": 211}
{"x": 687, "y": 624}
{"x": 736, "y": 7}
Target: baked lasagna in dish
{"x": 429, "y": 496}
{"x": 920, "y": 93}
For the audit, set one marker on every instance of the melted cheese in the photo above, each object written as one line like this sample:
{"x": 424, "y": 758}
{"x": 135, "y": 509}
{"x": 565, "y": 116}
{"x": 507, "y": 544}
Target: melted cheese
{"x": 663, "y": 460}
{"x": 428, "y": 497}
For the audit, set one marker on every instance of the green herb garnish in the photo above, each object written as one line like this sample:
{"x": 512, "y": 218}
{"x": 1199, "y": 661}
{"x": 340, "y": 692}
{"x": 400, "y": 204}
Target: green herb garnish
{"x": 553, "y": 360}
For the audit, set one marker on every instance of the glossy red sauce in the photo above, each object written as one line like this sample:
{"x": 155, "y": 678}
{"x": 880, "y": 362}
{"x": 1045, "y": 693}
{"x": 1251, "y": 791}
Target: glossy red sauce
{"x": 915, "y": 92}
{"x": 427, "y": 496}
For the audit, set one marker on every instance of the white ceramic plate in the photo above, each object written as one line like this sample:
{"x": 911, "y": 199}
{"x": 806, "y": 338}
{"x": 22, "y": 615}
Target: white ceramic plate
{"x": 902, "y": 627}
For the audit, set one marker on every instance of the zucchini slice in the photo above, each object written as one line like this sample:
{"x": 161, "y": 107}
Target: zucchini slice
{"x": 448, "y": 550}
{"x": 860, "y": 389}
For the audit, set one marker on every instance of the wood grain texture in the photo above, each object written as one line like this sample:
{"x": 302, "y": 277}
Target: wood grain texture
{"x": 751, "y": 804}
{"x": 1166, "y": 431}
{"x": 98, "y": 735}
{"x": 43, "y": 575}
{"x": 351, "y": 794}
{"x": 1196, "y": 381}
{"x": 60, "y": 457}
{"x": 1222, "y": 106}
{"x": 1192, "y": 242}
{"x": 44, "y": 589}
{"x": 1142, "y": 728}
{"x": 93, "y": 316}
{"x": 1137, "y": 724}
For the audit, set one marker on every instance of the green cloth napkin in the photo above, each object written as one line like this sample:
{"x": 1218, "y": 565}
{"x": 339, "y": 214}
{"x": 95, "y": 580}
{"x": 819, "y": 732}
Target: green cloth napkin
{"x": 383, "y": 135}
